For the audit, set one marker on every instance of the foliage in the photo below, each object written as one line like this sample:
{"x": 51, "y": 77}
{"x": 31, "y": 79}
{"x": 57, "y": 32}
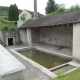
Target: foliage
{"x": 51, "y": 6}
{"x": 8, "y": 27}
{"x": 4, "y": 8}
{"x": 75, "y": 75}
{"x": 12, "y": 28}
{"x": 4, "y": 28}
{"x": 5, "y": 17}
{"x": 27, "y": 21}
{"x": 13, "y": 13}
{"x": 7, "y": 22}
{"x": 3, "y": 13}
{"x": 73, "y": 7}
{"x": 23, "y": 17}
{"x": 61, "y": 8}
{"x": 2, "y": 17}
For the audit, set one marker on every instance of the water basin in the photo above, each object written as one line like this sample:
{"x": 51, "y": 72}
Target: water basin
{"x": 62, "y": 69}
{"x": 43, "y": 58}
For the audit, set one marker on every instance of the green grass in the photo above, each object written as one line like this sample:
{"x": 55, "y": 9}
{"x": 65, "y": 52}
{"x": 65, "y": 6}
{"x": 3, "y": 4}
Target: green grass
{"x": 7, "y": 25}
{"x": 74, "y": 75}
{"x": 3, "y": 13}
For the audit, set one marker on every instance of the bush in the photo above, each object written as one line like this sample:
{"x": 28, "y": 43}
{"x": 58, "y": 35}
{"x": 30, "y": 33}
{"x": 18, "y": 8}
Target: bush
{"x": 12, "y": 28}
{"x": 27, "y": 21}
{"x": 8, "y": 28}
{"x": 4, "y": 28}
{"x": 6, "y": 18}
{"x": 7, "y": 22}
{"x": 23, "y": 17}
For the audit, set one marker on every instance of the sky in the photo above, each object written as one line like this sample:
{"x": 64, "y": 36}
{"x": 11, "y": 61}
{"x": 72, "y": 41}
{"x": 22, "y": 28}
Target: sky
{"x": 41, "y": 4}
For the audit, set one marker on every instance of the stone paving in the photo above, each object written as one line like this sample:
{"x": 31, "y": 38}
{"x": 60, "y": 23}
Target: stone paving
{"x": 58, "y": 49}
{"x": 31, "y": 73}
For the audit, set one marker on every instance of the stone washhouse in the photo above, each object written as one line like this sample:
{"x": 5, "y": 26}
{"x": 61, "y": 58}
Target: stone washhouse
{"x": 10, "y": 37}
{"x": 62, "y": 29}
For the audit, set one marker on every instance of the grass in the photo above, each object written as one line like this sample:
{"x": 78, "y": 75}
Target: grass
{"x": 74, "y": 75}
{"x": 7, "y": 25}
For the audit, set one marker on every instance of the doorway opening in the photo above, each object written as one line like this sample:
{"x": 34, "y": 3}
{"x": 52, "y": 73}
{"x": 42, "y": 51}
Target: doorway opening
{"x": 10, "y": 41}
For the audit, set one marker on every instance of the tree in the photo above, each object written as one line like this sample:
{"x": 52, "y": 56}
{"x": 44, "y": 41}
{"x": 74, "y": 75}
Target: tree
{"x": 9, "y": 12}
{"x": 61, "y": 8}
{"x": 73, "y": 7}
{"x": 3, "y": 8}
{"x": 23, "y": 17}
{"x": 13, "y": 13}
{"x": 27, "y": 21}
{"x": 51, "y": 6}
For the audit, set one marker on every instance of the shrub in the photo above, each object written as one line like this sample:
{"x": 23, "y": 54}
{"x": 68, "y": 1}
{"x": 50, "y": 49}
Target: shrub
{"x": 27, "y": 21}
{"x": 23, "y": 17}
{"x": 4, "y": 28}
{"x": 12, "y": 28}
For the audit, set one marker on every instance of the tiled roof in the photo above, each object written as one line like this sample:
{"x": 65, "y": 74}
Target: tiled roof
{"x": 55, "y": 19}
{"x": 32, "y": 13}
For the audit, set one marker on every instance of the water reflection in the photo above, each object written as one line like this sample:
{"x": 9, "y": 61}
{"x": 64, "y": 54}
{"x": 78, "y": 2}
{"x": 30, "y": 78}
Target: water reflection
{"x": 47, "y": 60}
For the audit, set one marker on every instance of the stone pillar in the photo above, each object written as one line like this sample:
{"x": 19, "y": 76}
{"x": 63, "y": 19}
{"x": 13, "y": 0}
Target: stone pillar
{"x": 76, "y": 41}
{"x": 29, "y": 37}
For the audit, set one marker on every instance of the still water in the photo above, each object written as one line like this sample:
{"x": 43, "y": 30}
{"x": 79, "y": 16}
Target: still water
{"x": 43, "y": 58}
{"x": 62, "y": 69}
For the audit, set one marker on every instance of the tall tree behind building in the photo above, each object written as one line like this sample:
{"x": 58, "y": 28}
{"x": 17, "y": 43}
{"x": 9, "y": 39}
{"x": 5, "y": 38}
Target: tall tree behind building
{"x": 13, "y": 13}
{"x": 51, "y": 6}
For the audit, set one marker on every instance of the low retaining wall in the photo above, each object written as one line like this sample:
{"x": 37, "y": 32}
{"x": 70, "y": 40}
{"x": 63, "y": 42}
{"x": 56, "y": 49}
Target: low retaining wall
{"x": 10, "y": 67}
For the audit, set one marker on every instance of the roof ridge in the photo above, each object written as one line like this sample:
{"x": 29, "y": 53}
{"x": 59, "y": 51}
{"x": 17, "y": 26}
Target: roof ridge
{"x": 65, "y": 12}
{"x": 30, "y": 11}
{"x": 59, "y": 13}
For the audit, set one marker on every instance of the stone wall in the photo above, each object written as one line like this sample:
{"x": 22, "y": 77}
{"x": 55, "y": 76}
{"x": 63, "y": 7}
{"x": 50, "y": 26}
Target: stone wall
{"x": 35, "y": 35}
{"x": 10, "y": 34}
{"x": 23, "y": 35}
{"x": 0, "y": 35}
{"x": 61, "y": 36}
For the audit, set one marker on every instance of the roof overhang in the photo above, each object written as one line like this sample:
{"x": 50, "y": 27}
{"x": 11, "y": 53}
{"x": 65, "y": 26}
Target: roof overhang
{"x": 49, "y": 26}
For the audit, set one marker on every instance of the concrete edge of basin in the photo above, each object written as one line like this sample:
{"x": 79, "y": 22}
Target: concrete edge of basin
{"x": 36, "y": 65}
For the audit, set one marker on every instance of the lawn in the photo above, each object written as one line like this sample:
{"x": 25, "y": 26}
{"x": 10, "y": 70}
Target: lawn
{"x": 74, "y": 75}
